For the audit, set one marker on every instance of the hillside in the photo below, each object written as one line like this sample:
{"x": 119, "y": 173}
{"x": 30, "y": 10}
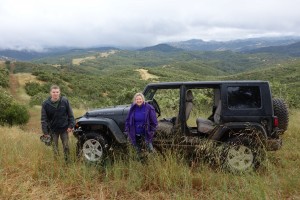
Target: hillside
{"x": 105, "y": 80}
{"x": 225, "y": 62}
{"x": 289, "y": 50}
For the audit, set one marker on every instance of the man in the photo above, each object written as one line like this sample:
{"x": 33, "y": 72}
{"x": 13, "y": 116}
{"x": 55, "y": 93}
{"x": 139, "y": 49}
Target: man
{"x": 57, "y": 119}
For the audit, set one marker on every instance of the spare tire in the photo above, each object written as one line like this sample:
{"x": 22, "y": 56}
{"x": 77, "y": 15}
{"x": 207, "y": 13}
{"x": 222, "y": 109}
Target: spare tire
{"x": 282, "y": 113}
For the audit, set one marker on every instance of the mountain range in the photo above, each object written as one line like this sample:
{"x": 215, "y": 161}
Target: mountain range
{"x": 289, "y": 46}
{"x": 235, "y": 45}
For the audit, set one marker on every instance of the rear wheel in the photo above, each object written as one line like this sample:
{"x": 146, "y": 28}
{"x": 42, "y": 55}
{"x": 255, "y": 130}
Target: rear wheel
{"x": 281, "y": 112}
{"x": 242, "y": 154}
{"x": 94, "y": 148}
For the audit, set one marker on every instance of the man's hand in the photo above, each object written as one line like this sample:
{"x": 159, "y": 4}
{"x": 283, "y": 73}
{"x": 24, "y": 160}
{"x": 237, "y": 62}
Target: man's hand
{"x": 69, "y": 130}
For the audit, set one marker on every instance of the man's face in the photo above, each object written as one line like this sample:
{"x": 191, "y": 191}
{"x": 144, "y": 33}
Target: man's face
{"x": 55, "y": 93}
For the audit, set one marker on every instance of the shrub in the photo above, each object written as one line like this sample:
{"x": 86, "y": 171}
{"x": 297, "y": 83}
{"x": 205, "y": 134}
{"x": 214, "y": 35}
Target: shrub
{"x": 16, "y": 114}
{"x": 4, "y": 82}
{"x": 33, "y": 88}
{"x": 125, "y": 95}
{"x": 38, "y": 98}
{"x": 11, "y": 112}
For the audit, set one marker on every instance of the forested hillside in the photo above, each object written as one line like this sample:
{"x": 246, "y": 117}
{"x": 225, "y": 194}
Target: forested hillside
{"x": 100, "y": 78}
{"x": 227, "y": 61}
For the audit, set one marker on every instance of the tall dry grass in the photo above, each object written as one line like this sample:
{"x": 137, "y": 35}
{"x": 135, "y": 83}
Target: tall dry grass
{"x": 29, "y": 171}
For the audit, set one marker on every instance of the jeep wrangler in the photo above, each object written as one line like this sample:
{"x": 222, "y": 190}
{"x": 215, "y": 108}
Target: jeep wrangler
{"x": 238, "y": 118}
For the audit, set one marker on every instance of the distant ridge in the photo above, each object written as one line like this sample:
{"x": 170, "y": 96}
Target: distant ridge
{"x": 25, "y": 55}
{"x": 20, "y": 55}
{"x": 162, "y": 48}
{"x": 239, "y": 45}
{"x": 290, "y": 50}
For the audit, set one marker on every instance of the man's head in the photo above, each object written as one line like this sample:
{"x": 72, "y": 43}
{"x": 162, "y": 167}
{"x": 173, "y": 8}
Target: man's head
{"x": 54, "y": 92}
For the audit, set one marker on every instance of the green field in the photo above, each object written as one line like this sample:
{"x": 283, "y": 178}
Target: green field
{"x": 28, "y": 171}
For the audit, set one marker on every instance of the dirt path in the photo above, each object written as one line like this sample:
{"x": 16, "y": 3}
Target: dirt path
{"x": 78, "y": 61}
{"x": 13, "y": 82}
{"x": 145, "y": 75}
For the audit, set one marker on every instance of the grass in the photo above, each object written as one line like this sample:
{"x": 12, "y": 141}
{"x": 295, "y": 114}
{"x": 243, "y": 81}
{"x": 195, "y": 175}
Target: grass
{"x": 29, "y": 171}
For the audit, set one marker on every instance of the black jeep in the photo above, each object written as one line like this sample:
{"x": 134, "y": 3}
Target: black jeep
{"x": 238, "y": 119}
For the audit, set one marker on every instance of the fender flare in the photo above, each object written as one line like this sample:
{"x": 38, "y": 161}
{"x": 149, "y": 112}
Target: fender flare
{"x": 224, "y": 128}
{"x": 109, "y": 123}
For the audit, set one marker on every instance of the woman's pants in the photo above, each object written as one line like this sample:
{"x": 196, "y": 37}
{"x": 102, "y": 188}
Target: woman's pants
{"x": 139, "y": 144}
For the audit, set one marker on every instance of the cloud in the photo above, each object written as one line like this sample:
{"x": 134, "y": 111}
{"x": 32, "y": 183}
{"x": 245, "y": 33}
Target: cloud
{"x": 35, "y": 24}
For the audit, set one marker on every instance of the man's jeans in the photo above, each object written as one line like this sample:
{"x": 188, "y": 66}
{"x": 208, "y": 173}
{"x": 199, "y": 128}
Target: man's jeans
{"x": 64, "y": 136}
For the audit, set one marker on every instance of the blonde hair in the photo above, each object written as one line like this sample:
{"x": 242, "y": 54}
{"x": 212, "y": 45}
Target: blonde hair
{"x": 138, "y": 94}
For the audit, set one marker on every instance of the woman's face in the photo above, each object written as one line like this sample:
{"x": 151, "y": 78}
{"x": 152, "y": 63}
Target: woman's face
{"x": 138, "y": 100}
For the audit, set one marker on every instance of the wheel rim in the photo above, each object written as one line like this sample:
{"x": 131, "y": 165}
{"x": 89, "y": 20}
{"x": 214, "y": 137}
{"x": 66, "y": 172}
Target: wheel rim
{"x": 240, "y": 157}
{"x": 92, "y": 150}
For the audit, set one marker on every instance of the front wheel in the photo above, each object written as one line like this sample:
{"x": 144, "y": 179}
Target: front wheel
{"x": 94, "y": 148}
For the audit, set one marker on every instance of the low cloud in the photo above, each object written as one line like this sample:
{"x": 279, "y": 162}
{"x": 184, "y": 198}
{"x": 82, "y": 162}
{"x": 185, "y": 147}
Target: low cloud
{"x": 35, "y": 24}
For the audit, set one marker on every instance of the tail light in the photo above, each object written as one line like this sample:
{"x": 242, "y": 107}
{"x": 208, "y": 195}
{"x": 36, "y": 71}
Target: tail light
{"x": 275, "y": 122}
{"x": 76, "y": 125}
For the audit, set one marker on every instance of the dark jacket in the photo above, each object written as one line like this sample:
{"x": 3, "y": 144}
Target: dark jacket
{"x": 56, "y": 120}
{"x": 150, "y": 123}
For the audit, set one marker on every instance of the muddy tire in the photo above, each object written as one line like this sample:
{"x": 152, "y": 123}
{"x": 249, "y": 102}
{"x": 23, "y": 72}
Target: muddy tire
{"x": 242, "y": 155}
{"x": 281, "y": 111}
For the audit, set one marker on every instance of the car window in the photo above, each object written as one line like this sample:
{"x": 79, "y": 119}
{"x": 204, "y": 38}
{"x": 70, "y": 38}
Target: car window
{"x": 149, "y": 94}
{"x": 244, "y": 97}
{"x": 168, "y": 100}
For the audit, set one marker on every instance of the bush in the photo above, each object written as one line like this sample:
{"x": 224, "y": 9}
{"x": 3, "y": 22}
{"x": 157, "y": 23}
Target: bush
{"x": 33, "y": 88}
{"x": 4, "y": 82}
{"x": 11, "y": 112}
{"x": 16, "y": 114}
{"x": 38, "y": 99}
{"x": 125, "y": 96}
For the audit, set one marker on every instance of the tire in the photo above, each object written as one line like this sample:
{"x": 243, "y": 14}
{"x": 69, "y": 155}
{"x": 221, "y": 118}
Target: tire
{"x": 93, "y": 148}
{"x": 281, "y": 111}
{"x": 242, "y": 154}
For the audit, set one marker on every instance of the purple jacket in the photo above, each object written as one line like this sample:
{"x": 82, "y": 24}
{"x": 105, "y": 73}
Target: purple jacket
{"x": 151, "y": 123}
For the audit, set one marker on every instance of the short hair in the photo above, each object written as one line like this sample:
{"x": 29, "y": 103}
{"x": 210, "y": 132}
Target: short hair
{"x": 138, "y": 94}
{"x": 55, "y": 87}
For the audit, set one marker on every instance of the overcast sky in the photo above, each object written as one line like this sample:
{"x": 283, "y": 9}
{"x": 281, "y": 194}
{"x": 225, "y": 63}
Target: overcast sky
{"x": 35, "y": 24}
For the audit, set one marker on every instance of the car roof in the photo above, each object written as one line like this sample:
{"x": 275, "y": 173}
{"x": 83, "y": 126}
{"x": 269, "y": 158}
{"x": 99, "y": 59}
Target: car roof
{"x": 203, "y": 83}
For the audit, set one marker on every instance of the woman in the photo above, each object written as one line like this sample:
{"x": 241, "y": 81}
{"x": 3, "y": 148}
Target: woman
{"x": 141, "y": 123}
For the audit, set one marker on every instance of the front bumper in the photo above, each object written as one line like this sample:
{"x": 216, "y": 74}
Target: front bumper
{"x": 78, "y": 132}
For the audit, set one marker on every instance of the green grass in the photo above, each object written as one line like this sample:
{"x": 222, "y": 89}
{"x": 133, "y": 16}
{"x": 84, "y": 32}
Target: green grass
{"x": 29, "y": 171}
